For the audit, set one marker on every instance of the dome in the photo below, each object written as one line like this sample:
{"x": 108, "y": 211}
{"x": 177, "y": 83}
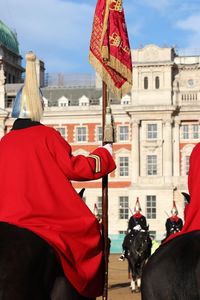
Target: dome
{"x": 8, "y": 38}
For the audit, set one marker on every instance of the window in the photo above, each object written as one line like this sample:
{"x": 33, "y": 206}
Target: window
{"x": 99, "y": 134}
{"x": 157, "y": 82}
{"x": 81, "y": 134}
{"x": 146, "y": 83}
{"x": 99, "y": 205}
{"x": 62, "y": 131}
{"x": 187, "y": 164}
{"x": 123, "y": 207}
{"x": 151, "y": 207}
{"x": 185, "y": 131}
{"x": 123, "y": 166}
{"x": 126, "y": 100}
{"x": 123, "y": 133}
{"x": 151, "y": 165}
{"x": 195, "y": 131}
{"x": 9, "y": 101}
{"x": 84, "y": 101}
{"x": 152, "y": 131}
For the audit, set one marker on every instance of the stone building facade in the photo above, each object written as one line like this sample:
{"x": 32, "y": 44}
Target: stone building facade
{"x": 156, "y": 127}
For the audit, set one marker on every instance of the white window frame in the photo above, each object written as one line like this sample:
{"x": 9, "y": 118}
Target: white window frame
{"x": 124, "y": 165}
{"x": 185, "y": 131}
{"x": 151, "y": 209}
{"x": 99, "y": 135}
{"x": 62, "y": 131}
{"x": 187, "y": 164}
{"x": 123, "y": 212}
{"x": 81, "y": 137}
{"x": 152, "y": 166}
{"x": 152, "y": 131}
{"x": 195, "y": 131}
{"x": 99, "y": 205}
{"x": 123, "y": 136}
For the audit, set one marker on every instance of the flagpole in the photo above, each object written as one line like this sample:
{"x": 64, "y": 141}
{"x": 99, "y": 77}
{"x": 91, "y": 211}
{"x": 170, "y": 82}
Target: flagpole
{"x": 105, "y": 197}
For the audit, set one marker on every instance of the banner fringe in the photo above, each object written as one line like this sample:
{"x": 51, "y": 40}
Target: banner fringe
{"x": 118, "y": 92}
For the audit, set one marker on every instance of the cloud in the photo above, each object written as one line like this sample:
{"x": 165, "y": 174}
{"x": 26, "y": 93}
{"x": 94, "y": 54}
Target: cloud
{"x": 58, "y": 31}
{"x": 192, "y": 26}
{"x": 50, "y": 27}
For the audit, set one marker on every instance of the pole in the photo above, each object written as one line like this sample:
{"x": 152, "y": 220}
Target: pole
{"x": 105, "y": 198}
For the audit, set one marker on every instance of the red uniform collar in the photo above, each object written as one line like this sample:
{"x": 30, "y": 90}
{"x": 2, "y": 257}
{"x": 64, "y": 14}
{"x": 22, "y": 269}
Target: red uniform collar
{"x": 138, "y": 215}
{"x": 174, "y": 218}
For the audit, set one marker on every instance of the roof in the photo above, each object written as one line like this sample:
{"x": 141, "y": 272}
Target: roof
{"x": 73, "y": 95}
{"x": 8, "y": 38}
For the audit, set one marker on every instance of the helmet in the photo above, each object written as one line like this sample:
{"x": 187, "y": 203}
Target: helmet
{"x": 28, "y": 101}
{"x": 174, "y": 210}
{"x": 137, "y": 205}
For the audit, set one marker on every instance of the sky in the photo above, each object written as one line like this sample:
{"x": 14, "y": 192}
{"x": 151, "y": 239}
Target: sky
{"x": 59, "y": 31}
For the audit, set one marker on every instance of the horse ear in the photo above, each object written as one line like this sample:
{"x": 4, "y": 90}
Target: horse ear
{"x": 186, "y": 196}
{"x": 81, "y": 192}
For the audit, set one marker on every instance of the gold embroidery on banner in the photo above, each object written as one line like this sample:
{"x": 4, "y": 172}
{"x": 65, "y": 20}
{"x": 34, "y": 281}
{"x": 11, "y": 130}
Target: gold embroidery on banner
{"x": 115, "y": 39}
{"x": 97, "y": 162}
{"x": 116, "y": 5}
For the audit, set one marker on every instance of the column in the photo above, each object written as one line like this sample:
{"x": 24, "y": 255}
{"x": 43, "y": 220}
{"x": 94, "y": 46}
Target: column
{"x": 167, "y": 150}
{"x": 176, "y": 148}
{"x": 2, "y": 87}
{"x": 135, "y": 150}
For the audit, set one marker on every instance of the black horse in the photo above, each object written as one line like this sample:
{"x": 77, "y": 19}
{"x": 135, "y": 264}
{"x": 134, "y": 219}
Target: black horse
{"x": 173, "y": 271}
{"x": 28, "y": 265}
{"x": 29, "y": 268}
{"x": 138, "y": 253}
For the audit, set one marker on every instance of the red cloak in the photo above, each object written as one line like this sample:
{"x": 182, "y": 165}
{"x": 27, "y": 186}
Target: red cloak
{"x": 36, "y": 166}
{"x": 192, "y": 213}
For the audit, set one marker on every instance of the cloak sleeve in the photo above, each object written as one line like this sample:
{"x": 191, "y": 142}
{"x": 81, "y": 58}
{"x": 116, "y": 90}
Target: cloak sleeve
{"x": 80, "y": 167}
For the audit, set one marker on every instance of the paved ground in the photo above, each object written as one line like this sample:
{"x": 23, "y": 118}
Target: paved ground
{"x": 118, "y": 281}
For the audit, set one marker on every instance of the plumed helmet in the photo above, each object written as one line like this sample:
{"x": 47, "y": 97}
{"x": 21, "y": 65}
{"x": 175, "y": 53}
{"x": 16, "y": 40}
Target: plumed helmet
{"x": 137, "y": 205}
{"x": 28, "y": 101}
{"x": 174, "y": 210}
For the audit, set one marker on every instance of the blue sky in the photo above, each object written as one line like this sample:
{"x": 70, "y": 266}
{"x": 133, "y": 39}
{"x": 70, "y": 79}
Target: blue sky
{"x": 58, "y": 31}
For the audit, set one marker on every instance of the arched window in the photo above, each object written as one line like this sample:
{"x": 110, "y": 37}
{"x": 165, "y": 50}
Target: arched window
{"x": 157, "y": 82}
{"x": 145, "y": 83}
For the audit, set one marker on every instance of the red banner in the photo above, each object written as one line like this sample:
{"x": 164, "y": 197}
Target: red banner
{"x": 110, "y": 52}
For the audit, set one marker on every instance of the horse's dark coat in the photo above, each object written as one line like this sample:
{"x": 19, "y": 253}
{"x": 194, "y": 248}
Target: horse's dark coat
{"x": 27, "y": 265}
{"x": 29, "y": 269}
{"x": 139, "y": 251}
{"x": 173, "y": 271}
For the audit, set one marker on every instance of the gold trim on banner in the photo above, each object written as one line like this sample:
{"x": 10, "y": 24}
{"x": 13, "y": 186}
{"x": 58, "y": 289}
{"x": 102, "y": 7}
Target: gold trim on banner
{"x": 118, "y": 92}
{"x": 104, "y": 49}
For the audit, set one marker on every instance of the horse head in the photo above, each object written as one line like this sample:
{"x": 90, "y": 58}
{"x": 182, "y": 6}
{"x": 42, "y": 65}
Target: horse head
{"x": 139, "y": 251}
{"x": 142, "y": 243}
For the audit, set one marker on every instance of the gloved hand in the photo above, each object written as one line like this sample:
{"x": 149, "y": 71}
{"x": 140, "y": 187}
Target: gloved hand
{"x": 137, "y": 227}
{"x": 108, "y": 147}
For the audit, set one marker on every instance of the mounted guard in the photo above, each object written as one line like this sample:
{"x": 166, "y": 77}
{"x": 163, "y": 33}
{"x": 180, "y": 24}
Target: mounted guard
{"x": 136, "y": 222}
{"x": 173, "y": 224}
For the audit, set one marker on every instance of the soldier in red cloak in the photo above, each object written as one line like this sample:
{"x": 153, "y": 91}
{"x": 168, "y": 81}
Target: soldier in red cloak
{"x": 36, "y": 169}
